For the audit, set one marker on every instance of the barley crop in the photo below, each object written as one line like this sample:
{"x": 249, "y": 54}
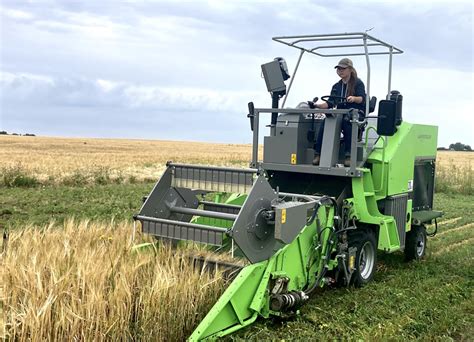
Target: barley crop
{"x": 81, "y": 281}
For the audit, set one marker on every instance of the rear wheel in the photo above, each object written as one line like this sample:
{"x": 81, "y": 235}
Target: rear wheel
{"x": 415, "y": 246}
{"x": 366, "y": 257}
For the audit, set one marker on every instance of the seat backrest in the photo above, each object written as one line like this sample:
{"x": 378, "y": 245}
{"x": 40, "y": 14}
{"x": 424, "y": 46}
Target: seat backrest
{"x": 372, "y": 103}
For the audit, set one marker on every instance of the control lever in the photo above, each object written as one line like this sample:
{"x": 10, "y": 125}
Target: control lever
{"x": 312, "y": 104}
{"x": 311, "y": 133}
{"x": 251, "y": 114}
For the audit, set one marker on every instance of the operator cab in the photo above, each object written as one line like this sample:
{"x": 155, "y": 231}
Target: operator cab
{"x": 293, "y": 132}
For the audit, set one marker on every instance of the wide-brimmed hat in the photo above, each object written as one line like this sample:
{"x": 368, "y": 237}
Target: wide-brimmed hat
{"x": 344, "y": 63}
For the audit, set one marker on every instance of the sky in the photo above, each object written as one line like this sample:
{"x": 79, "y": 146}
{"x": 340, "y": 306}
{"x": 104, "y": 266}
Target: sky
{"x": 185, "y": 70}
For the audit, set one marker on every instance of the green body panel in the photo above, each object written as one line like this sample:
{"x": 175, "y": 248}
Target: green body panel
{"x": 397, "y": 160}
{"x": 365, "y": 210}
{"x": 248, "y": 295}
{"x": 235, "y": 199}
{"x": 232, "y": 310}
{"x": 300, "y": 260}
{"x": 391, "y": 171}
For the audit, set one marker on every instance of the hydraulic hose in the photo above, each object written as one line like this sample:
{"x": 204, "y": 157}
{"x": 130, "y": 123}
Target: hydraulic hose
{"x": 323, "y": 269}
{"x": 315, "y": 212}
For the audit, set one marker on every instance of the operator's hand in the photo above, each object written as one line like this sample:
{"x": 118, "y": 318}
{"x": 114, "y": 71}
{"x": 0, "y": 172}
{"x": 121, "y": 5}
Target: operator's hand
{"x": 354, "y": 99}
{"x": 350, "y": 99}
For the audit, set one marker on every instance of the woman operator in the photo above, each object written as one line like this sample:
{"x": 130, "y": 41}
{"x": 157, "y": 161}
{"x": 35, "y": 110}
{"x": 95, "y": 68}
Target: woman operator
{"x": 352, "y": 89}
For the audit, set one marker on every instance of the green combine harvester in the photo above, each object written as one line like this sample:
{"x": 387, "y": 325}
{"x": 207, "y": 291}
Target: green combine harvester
{"x": 301, "y": 226}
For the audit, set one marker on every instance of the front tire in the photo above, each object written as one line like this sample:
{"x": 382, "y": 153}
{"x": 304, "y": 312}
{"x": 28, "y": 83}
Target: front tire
{"x": 366, "y": 257}
{"x": 415, "y": 246}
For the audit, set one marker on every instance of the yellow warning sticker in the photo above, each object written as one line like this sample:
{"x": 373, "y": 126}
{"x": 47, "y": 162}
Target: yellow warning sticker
{"x": 283, "y": 216}
{"x": 293, "y": 158}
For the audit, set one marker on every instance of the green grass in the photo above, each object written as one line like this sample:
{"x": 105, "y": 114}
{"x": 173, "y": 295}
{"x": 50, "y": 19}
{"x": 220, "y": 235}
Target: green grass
{"x": 427, "y": 300}
{"x": 16, "y": 176}
{"x": 19, "y": 176}
{"x": 40, "y": 205}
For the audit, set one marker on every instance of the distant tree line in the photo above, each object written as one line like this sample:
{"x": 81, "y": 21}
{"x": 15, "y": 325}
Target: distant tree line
{"x": 25, "y": 135}
{"x": 456, "y": 147}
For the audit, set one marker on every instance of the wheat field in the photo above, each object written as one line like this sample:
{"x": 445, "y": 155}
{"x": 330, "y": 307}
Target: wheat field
{"x": 54, "y": 160}
{"x": 456, "y": 158}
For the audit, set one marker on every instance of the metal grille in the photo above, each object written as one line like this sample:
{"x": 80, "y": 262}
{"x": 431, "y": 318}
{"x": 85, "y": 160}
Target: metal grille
{"x": 212, "y": 178}
{"x": 182, "y": 231}
{"x": 221, "y": 208}
{"x": 396, "y": 206}
{"x": 423, "y": 187}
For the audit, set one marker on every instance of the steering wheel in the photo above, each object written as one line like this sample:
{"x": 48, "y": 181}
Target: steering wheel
{"x": 333, "y": 99}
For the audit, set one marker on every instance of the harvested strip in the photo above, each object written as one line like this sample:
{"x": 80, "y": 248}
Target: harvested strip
{"x": 454, "y": 246}
{"x": 453, "y": 220}
{"x": 469, "y": 225}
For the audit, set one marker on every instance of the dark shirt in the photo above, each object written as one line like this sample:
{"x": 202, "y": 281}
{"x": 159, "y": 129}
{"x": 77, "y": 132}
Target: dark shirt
{"x": 340, "y": 89}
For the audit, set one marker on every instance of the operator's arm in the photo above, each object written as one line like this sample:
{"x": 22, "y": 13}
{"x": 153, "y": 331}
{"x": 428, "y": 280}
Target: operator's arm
{"x": 323, "y": 105}
{"x": 359, "y": 93}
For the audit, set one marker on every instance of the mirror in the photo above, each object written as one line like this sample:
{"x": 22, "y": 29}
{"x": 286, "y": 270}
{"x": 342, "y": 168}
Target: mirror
{"x": 386, "y": 123}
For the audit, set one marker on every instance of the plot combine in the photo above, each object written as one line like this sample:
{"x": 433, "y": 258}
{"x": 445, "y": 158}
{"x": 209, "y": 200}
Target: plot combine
{"x": 301, "y": 226}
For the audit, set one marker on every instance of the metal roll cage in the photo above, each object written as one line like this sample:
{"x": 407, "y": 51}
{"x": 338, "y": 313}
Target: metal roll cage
{"x": 365, "y": 41}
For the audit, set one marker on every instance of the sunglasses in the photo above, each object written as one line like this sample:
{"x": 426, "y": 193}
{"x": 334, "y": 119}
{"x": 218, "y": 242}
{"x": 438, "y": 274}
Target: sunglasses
{"x": 340, "y": 68}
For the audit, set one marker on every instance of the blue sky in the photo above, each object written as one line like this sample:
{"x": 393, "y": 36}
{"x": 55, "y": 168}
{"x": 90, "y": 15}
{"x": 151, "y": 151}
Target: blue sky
{"x": 186, "y": 70}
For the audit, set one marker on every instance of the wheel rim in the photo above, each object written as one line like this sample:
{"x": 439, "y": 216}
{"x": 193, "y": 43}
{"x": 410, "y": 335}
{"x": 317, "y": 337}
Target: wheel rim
{"x": 366, "y": 260}
{"x": 420, "y": 244}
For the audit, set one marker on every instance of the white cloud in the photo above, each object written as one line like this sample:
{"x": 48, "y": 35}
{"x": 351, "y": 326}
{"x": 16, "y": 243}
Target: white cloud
{"x": 24, "y": 82}
{"x": 20, "y": 87}
{"x": 107, "y": 86}
{"x": 16, "y": 14}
